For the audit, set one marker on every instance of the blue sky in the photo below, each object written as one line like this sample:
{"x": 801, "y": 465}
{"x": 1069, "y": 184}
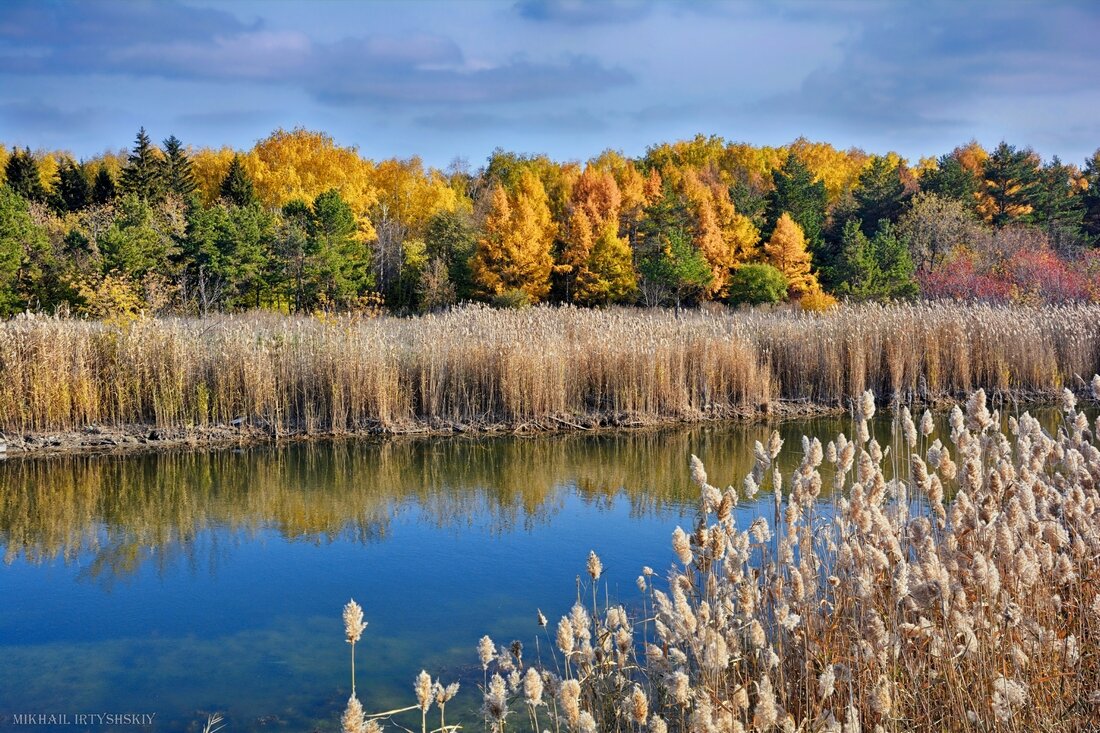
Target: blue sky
{"x": 564, "y": 77}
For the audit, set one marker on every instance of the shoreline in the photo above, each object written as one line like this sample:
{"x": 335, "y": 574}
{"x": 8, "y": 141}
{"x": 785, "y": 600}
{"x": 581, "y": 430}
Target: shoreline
{"x": 139, "y": 439}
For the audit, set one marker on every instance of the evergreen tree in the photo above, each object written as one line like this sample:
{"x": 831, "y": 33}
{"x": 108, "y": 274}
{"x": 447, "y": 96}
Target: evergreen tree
{"x": 674, "y": 269}
{"x": 21, "y": 174}
{"x": 178, "y": 176}
{"x": 103, "y": 190}
{"x": 72, "y": 192}
{"x": 224, "y": 253}
{"x": 1010, "y": 186}
{"x": 877, "y": 268}
{"x": 879, "y": 194}
{"x": 1091, "y": 199}
{"x": 951, "y": 180}
{"x": 1059, "y": 207}
{"x": 143, "y": 174}
{"x": 135, "y": 245}
{"x": 802, "y": 199}
{"x": 237, "y": 185}
{"x": 17, "y": 233}
{"x": 338, "y": 259}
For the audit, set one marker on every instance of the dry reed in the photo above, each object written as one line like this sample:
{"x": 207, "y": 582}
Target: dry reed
{"x": 543, "y": 367}
{"x": 888, "y": 608}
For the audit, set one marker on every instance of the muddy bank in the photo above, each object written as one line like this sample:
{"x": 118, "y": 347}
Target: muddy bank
{"x": 144, "y": 438}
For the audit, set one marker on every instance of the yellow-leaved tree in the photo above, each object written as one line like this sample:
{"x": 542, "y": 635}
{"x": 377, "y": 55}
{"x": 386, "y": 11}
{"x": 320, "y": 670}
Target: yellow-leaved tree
{"x": 209, "y": 167}
{"x": 786, "y": 251}
{"x": 514, "y": 250}
{"x": 597, "y": 261}
{"x": 724, "y": 237}
{"x": 300, "y": 165}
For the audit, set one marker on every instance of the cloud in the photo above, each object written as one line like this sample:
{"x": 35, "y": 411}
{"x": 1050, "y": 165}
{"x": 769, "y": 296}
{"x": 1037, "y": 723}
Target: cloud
{"x": 42, "y": 117}
{"x": 419, "y": 68}
{"x": 916, "y": 66}
{"x": 582, "y": 13}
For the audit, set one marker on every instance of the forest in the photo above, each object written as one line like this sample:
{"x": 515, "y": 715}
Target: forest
{"x": 300, "y": 223}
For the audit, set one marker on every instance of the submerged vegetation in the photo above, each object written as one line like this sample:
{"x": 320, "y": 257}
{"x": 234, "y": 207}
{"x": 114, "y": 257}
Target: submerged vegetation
{"x": 950, "y": 584}
{"x": 546, "y": 367}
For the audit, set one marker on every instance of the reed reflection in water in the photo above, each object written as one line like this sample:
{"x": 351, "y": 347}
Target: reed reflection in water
{"x": 183, "y": 583}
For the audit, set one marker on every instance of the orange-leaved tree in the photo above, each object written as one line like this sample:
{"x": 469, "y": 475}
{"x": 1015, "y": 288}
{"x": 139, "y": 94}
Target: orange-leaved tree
{"x": 596, "y": 260}
{"x": 786, "y": 251}
{"x": 514, "y": 250}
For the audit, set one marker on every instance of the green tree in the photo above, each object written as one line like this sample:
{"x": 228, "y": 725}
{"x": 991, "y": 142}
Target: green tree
{"x": 338, "y": 259}
{"x": 143, "y": 174}
{"x": 951, "y": 180}
{"x": 1059, "y": 206}
{"x": 178, "y": 176}
{"x": 879, "y": 194}
{"x": 18, "y": 232}
{"x": 1010, "y": 185}
{"x": 72, "y": 192}
{"x": 757, "y": 284}
{"x": 797, "y": 194}
{"x": 103, "y": 190}
{"x": 135, "y": 245}
{"x": 877, "y": 268}
{"x": 21, "y": 174}
{"x": 224, "y": 254}
{"x": 673, "y": 270}
{"x": 451, "y": 239}
{"x": 237, "y": 185}
{"x": 934, "y": 226}
{"x": 1091, "y": 199}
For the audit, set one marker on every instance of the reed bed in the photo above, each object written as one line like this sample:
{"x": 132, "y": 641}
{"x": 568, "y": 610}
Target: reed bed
{"x": 541, "y": 367}
{"x": 961, "y": 595}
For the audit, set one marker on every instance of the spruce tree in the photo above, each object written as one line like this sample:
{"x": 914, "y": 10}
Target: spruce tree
{"x": 800, "y": 197}
{"x": 103, "y": 190}
{"x": 143, "y": 174}
{"x": 72, "y": 192}
{"x": 237, "y": 185}
{"x": 879, "y": 194}
{"x": 178, "y": 176}
{"x": 21, "y": 173}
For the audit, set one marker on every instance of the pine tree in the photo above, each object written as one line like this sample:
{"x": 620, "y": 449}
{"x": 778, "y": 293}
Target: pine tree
{"x": 339, "y": 260}
{"x": 18, "y": 233}
{"x": 879, "y": 194}
{"x": 786, "y": 251}
{"x": 178, "y": 176}
{"x": 72, "y": 192}
{"x": 877, "y": 268}
{"x": 951, "y": 180}
{"x": 143, "y": 174}
{"x": 1010, "y": 185}
{"x": 1091, "y": 199}
{"x": 237, "y": 185}
{"x": 103, "y": 190}
{"x": 21, "y": 174}
{"x": 802, "y": 199}
{"x": 1059, "y": 206}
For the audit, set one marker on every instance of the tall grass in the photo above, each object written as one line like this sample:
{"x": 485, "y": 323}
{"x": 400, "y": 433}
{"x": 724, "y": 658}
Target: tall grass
{"x": 961, "y": 595}
{"x": 540, "y": 367}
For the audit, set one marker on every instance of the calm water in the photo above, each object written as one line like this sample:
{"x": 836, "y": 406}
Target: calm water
{"x": 183, "y": 584}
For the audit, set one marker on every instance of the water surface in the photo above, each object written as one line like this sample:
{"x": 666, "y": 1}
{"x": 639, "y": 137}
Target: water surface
{"x": 182, "y": 584}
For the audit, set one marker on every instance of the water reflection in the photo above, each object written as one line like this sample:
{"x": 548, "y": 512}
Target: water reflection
{"x": 125, "y": 511}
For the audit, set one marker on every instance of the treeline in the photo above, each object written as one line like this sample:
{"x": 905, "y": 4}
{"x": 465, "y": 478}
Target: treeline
{"x": 299, "y": 223}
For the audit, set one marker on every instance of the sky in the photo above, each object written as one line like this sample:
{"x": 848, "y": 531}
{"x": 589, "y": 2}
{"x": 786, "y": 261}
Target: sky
{"x": 447, "y": 80}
